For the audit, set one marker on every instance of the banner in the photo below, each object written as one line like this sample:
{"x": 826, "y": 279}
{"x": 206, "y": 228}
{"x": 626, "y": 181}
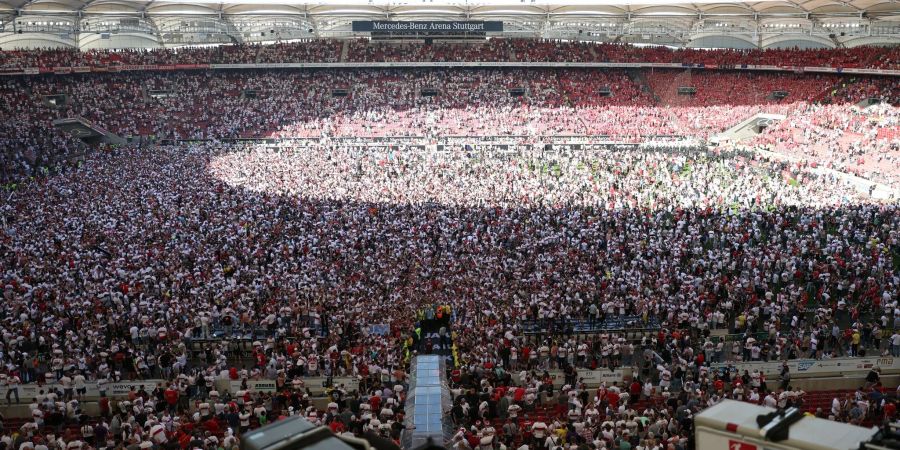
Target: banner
{"x": 83, "y": 69}
{"x": 27, "y": 392}
{"x": 121, "y": 389}
{"x": 253, "y": 386}
{"x": 316, "y": 385}
{"x": 139, "y": 67}
{"x": 809, "y": 368}
{"x": 597, "y": 377}
{"x": 429, "y": 27}
{"x": 592, "y": 378}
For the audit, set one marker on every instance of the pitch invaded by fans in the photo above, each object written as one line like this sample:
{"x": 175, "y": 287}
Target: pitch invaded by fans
{"x": 300, "y": 221}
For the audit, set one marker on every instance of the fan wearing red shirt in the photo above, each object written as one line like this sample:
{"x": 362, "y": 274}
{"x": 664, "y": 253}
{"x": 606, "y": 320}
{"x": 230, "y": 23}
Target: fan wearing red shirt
{"x": 499, "y": 392}
{"x": 171, "y": 396}
{"x": 635, "y": 389}
{"x": 104, "y": 406}
{"x": 520, "y": 394}
{"x": 474, "y": 442}
{"x": 184, "y": 439}
{"x": 613, "y": 398}
{"x": 890, "y": 410}
{"x": 212, "y": 425}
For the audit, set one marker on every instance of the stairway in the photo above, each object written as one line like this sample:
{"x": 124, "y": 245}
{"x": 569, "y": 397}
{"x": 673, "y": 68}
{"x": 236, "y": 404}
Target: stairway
{"x": 345, "y": 51}
{"x": 837, "y": 42}
{"x": 874, "y": 56}
{"x": 87, "y": 131}
{"x": 260, "y": 54}
{"x": 638, "y": 78}
{"x": 259, "y": 51}
{"x": 748, "y": 127}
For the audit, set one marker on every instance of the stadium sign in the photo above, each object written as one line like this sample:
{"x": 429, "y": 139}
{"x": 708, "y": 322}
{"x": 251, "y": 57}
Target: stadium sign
{"x": 426, "y": 27}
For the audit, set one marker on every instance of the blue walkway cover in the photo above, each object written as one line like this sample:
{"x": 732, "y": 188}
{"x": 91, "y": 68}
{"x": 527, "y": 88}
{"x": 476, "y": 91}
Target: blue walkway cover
{"x": 425, "y": 403}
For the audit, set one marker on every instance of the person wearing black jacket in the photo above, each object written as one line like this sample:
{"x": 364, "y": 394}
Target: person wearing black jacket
{"x": 234, "y": 421}
{"x": 785, "y": 376}
{"x": 196, "y": 441}
{"x": 873, "y": 378}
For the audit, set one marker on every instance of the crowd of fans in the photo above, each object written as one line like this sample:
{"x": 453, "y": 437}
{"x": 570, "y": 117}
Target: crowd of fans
{"x": 627, "y": 416}
{"x": 740, "y": 88}
{"x": 495, "y": 49}
{"x": 188, "y": 414}
{"x": 373, "y": 51}
{"x": 112, "y": 268}
{"x": 841, "y": 137}
{"x": 320, "y": 50}
{"x": 624, "y": 106}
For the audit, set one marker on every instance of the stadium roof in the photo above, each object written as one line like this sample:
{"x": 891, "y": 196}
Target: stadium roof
{"x": 706, "y": 23}
{"x": 381, "y": 9}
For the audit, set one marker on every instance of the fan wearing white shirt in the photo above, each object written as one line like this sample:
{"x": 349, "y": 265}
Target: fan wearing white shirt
{"x": 12, "y": 388}
{"x": 80, "y": 385}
